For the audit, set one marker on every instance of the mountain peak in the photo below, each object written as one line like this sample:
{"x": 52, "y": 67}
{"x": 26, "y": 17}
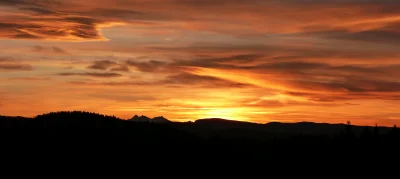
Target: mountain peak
{"x": 160, "y": 119}
{"x": 142, "y": 118}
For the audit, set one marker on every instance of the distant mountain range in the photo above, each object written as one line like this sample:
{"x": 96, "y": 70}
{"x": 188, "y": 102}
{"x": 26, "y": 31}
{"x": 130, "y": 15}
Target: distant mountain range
{"x": 201, "y": 127}
{"x": 207, "y": 139}
{"x": 159, "y": 119}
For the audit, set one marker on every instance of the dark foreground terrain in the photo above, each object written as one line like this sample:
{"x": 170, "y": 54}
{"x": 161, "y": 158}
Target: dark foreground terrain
{"x": 89, "y": 134}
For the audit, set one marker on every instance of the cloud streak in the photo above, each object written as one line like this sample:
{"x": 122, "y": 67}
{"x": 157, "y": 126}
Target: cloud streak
{"x": 91, "y": 74}
{"x": 261, "y": 60}
{"x": 10, "y": 64}
{"x": 59, "y": 20}
{"x": 102, "y": 65}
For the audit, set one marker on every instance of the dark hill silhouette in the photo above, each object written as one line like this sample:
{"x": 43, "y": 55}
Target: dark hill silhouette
{"x": 77, "y": 125}
{"x": 159, "y": 119}
{"x": 219, "y": 121}
{"x": 205, "y": 138}
{"x": 207, "y": 127}
{"x": 79, "y": 119}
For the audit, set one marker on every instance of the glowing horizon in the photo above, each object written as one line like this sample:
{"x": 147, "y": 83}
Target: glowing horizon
{"x": 259, "y": 61}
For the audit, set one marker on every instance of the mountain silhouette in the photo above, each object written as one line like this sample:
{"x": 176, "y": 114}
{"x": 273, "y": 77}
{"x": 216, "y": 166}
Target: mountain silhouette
{"x": 142, "y": 118}
{"x": 158, "y": 119}
{"x": 207, "y": 139}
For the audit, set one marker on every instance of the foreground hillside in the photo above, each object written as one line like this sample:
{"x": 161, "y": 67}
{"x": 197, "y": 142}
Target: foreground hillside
{"x": 210, "y": 137}
{"x": 80, "y": 124}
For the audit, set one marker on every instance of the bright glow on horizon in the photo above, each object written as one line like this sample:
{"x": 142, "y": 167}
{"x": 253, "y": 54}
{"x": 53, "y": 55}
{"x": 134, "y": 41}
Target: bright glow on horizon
{"x": 186, "y": 60}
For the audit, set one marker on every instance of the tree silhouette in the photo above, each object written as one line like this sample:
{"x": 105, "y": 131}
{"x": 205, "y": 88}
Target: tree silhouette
{"x": 349, "y": 134}
{"x": 257, "y": 140}
{"x": 366, "y": 134}
{"x": 376, "y": 132}
{"x": 393, "y": 134}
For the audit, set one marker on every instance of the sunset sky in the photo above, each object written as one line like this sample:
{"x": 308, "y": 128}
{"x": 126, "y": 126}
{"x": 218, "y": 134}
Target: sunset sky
{"x": 255, "y": 60}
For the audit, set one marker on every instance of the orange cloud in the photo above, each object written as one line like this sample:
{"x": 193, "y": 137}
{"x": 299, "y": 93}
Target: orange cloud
{"x": 10, "y": 64}
{"x": 62, "y": 22}
{"x": 286, "y": 60}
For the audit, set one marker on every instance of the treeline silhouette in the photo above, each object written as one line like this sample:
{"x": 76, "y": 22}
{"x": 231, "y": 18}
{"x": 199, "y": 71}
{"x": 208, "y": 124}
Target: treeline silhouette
{"x": 211, "y": 137}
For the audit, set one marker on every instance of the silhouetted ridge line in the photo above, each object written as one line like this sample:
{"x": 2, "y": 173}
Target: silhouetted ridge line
{"x": 220, "y": 120}
{"x": 249, "y": 140}
{"x": 158, "y": 119}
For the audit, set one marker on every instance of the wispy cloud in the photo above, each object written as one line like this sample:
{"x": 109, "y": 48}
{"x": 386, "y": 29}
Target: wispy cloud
{"x": 10, "y": 64}
{"x": 91, "y": 74}
{"x": 102, "y": 65}
{"x": 60, "y": 20}
{"x": 269, "y": 60}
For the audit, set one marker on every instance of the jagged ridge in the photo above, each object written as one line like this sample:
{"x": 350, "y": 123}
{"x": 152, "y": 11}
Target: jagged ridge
{"x": 158, "y": 119}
